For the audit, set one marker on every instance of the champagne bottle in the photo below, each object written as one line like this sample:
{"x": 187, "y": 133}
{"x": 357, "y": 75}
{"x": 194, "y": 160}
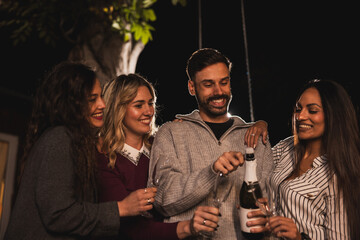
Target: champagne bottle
{"x": 249, "y": 188}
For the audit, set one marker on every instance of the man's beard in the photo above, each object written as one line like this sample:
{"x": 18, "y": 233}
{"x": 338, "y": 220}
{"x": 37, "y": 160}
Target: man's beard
{"x": 211, "y": 110}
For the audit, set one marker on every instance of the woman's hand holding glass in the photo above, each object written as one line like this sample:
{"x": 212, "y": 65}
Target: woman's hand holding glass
{"x": 266, "y": 207}
{"x": 280, "y": 227}
{"x": 137, "y": 202}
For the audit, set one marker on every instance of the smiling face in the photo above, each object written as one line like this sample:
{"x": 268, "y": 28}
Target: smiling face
{"x": 96, "y": 105}
{"x": 309, "y": 115}
{"x": 213, "y": 93}
{"x": 139, "y": 114}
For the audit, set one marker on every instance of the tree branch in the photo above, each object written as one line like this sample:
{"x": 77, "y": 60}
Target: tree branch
{"x": 135, "y": 53}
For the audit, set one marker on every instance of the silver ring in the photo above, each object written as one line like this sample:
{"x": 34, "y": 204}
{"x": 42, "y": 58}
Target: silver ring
{"x": 148, "y": 200}
{"x": 145, "y": 190}
{"x": 253, "y": 134}
{"x": 204, "y": 222}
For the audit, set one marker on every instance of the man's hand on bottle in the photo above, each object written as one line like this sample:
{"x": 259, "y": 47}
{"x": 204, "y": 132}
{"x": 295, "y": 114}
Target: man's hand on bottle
{"x": 228, "y": 162}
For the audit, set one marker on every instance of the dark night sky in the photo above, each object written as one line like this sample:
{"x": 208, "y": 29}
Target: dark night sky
{"x": 289, "y": 43}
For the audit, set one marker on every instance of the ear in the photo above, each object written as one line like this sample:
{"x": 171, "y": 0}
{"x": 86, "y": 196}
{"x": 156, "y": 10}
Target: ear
{"x": 191, "y": 87}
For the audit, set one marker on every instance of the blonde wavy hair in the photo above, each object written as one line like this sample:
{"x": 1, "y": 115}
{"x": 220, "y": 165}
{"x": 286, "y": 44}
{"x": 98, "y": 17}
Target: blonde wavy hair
{"x": 118, "y": 93}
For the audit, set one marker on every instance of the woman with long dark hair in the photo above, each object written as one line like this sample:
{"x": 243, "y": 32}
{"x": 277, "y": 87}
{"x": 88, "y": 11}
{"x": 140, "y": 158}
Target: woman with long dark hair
{"x": 57, "y": 196}
{"x": 316, "y": 173}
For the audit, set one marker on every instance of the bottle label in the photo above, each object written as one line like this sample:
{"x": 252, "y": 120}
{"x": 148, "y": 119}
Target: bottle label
{"x": 244, "y": 219}
{"x": 250, "y": 171}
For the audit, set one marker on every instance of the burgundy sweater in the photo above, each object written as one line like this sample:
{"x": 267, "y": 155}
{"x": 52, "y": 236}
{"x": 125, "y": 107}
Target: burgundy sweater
{"x": 115, "y": 184}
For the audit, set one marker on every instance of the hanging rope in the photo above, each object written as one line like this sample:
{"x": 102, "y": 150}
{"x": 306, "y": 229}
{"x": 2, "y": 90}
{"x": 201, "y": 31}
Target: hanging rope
{"x": 200, "y": 24}
{"x": 247, "y": 62}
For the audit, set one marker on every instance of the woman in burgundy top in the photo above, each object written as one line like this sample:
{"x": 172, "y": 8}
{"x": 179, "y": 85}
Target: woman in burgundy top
{"x": 123, "y": 161}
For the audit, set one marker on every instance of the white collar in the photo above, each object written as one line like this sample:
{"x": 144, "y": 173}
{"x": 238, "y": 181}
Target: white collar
{"x": 133, "y": 154}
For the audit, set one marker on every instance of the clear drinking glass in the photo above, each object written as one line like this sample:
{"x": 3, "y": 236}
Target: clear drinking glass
{"x": 162, "y": 168}
{"x": 218, "y": 196}
{"x": 267, "y": 205}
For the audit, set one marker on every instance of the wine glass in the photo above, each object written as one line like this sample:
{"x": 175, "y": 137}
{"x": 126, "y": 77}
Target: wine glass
{"x": 218, "y": 196}
{"x": 162, "y": 167}
{"x": 271, "y": 197}
{"x": 267, "y": 205}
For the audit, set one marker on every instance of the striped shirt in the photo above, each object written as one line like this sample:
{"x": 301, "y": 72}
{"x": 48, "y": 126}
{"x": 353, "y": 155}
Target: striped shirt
{"x": 310, "y": 199}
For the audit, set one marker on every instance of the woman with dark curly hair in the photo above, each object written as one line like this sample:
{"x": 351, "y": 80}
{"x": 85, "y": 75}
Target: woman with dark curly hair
{"x": 57, "y": 197}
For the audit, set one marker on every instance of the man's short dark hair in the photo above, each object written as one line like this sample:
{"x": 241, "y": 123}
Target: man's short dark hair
{"x": 203, "y": 58}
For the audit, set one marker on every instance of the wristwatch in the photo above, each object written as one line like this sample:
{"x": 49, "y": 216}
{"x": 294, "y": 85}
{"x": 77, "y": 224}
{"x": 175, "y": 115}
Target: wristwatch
{"x": 304, "y": 236}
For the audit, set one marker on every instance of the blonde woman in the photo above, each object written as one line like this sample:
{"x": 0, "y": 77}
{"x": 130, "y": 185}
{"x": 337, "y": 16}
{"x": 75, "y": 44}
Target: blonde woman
{"x": 123, "y": 160}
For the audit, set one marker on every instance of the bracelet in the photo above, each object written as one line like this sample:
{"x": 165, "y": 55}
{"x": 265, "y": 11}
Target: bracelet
{"x": 304, "y": 236}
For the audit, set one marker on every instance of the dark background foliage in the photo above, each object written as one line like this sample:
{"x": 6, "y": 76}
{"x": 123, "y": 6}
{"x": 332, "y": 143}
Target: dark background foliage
{"x": 289, "y": 43}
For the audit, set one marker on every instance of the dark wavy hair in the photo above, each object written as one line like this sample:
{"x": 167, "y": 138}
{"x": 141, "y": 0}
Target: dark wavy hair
{"x": 62, "y": 100}
{"x": 341, "y": 144}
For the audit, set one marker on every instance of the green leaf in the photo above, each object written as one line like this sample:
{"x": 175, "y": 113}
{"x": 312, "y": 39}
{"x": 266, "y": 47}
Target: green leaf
{"x": 127, "y": 37}
{"x": 149, "y": 15}
{"x": 135, "y": 27}
{"x": 138, "y": 34}
{"x": 145, "y": 39}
